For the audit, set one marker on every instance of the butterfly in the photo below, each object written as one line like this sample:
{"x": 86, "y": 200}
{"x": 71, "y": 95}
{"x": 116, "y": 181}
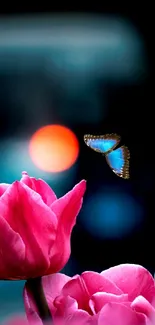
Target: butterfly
{"x": 117, "y": 159}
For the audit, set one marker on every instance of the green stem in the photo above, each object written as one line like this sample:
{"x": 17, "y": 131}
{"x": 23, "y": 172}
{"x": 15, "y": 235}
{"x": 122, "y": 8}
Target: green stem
{"x": 35, "y": 286}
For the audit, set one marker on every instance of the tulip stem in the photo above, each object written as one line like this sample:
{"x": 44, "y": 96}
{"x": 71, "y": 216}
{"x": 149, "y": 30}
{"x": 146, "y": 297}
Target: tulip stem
{"x": 35, "y": 286}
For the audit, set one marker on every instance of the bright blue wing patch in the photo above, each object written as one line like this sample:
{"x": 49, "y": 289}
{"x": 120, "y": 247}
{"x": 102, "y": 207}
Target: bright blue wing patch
{"x": 101, "y": 144}
{"x": 118, "y": 160}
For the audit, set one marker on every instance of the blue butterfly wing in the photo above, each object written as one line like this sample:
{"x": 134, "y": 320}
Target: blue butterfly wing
{"x": 102, "y": 143}
{"x": 118, "y": 160}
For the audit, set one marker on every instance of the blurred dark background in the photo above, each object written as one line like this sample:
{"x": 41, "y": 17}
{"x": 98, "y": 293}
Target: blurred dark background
{"x": 91, "y": 71}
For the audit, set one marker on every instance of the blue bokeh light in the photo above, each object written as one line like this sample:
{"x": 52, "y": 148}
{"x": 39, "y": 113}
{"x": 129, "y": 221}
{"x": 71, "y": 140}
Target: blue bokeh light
{"x": 111, "y": 214}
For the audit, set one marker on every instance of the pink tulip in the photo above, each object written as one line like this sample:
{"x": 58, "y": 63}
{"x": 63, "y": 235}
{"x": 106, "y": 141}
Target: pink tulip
{"x": 121, "y": 295}
{"x": 35, "y": 227}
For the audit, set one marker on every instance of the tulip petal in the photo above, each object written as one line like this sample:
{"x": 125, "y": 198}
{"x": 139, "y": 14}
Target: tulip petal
{"x": 3, "y": 188}
{"x": 99, "y": 299}
{"x": 41, "y": 187}
{"x": 65, "y": 306}
{"x": 80, "y": 317}
{"x": 52, "y": 285}
{"x": 113, "y": 313}
{"x": 132, "y": 279}
{"x": 81, "y": 288}
{"x": 12, "y": 256}
{"x": 76, "y": 289}
{"x": 96, "y": 282}
{"x": 66, "y": 209}
{"x": 28, "y": 215}
{"x": 141, "y": 305}
{"x": 68, "y": 312}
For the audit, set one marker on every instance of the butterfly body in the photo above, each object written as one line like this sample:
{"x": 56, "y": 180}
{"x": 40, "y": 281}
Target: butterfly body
{"x": 117, "y": 159}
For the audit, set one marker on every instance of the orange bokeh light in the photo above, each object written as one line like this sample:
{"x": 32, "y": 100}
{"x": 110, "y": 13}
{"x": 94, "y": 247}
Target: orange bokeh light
{"x": 54, "y": 148}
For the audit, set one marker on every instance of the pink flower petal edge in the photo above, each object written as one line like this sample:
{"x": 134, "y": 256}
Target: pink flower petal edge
{"x": 97, "y": 299}
{"x": 66, "y": 209}
{"x": 36, "y": 227}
